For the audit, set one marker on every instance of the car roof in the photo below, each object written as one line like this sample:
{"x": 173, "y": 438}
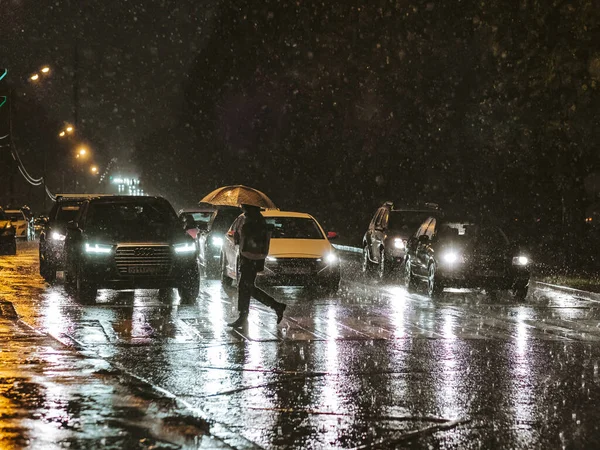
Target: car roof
{"x": 277, "y": 213}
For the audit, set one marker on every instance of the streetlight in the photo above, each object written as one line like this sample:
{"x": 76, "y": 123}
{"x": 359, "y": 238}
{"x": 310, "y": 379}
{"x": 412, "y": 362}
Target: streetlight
{"x": 62, "y": 134}
{"x": 68, "y": 130}
{"x": 94, "y": 170}
{"x": 34, "y": 77}
{"x": 82, "y": 152}
{"x": 45, "y": 69}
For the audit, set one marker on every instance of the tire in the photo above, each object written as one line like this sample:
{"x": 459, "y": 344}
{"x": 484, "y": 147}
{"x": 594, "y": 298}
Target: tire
{"x": 86, "y": 292}
{"x": 225, "y": 280}
{"x": 409, "y": 279}
{"x": 329, "y": 287}
{"x": 47, "y": 271}
{"x": 189, "y": 288}
{"x": 383, "y": 268}
{"x": 367, "y": 265}
{"x": 434, "y": 285}
{"x": 519, "y": 292}
{"x": 13, "y": 249}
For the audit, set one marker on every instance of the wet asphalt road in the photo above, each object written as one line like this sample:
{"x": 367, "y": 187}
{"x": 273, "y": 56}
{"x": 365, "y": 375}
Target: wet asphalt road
{"x": 371, "y": 367}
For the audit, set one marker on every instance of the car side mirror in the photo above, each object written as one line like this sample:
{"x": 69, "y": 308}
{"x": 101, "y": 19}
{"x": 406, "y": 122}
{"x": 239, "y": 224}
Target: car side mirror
{"x": 331, "y": 235}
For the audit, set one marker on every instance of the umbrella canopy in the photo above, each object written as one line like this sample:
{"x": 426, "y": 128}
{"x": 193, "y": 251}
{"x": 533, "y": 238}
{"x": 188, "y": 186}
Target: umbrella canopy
{"x": 237, "y": 195}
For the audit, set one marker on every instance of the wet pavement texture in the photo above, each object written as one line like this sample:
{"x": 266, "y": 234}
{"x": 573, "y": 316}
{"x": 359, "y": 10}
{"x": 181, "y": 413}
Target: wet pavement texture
{"x": 369, "y": 367}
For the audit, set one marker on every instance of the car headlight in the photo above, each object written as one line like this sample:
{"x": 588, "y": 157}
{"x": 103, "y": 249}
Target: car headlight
{"x": 217, "y": 241}
{"x": 185, "y": 248}
{"x": 98, "y": 249}
{"x": 520, "y": 260}
{"x": 57, "y": 236}
{"x": 452, "y": 257}
{"x": 399, "y": 243}
{"x": 331, "y": 258}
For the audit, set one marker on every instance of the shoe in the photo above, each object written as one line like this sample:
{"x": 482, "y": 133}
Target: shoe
{"x": 279, "y": 311}
{"x": 240, "y": 322}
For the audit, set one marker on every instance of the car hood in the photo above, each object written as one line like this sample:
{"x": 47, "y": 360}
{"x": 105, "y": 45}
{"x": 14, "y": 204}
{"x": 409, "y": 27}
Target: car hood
{"x": 299, "y": 248}
{"x": 3, "y": 223}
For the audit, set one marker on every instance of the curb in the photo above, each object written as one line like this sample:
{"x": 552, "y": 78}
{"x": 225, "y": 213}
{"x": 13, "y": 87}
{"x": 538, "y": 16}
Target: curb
{"x": 586, "y": 295}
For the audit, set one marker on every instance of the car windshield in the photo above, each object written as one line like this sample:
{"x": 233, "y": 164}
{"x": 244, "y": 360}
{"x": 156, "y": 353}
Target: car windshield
{"x": 130, "y": 220}
{"x": 67, "y": 213}
{"x": 407, "y": 221}
{"x": 294, "y": 228}
{"x": 15, "y": 216}
{"x": 224, "y": 219}
{"x": 200, "y": 217}
{"x": 473, "y": 234}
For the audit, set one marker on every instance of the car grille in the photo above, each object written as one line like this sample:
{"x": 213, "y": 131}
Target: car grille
{"x": 144, "y": 260}
{"x": 295, "y": 266}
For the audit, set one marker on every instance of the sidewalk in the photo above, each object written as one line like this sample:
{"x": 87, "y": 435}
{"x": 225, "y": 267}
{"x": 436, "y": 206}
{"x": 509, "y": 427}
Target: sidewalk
{"x": 52, "y": 397}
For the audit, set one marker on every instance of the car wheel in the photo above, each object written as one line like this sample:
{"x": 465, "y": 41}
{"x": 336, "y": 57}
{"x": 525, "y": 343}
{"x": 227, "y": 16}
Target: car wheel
{"x": 519, "y": 292}
{"x": 225, "y": 280}
{"x": 383, "y": 269}
{"x": 367, "y": 265}
{"x": 85, "y": 290}
{"x": 189, "y": 287}
{"x": 13, "y": 248}
{"x": 409, "y": 279}
{"x": 434, "y": 285}
{"x": 329, "y": 287}
{"x": 47, "y": 271}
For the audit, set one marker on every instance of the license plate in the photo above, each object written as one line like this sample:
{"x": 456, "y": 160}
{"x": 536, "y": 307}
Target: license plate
{"x": 142, "y": 270}
{"x": 296, "y": 271}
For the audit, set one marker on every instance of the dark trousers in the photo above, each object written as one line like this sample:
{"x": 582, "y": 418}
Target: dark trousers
{"x": 248, "y": 270}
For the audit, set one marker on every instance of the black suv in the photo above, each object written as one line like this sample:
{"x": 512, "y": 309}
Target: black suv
{"x": 54, "y": 232}
{"x": 384, "y": 243}
{"x": 129, "y": 242}
{"x": 460, "y": 252}
{"x": 211, "y": 239}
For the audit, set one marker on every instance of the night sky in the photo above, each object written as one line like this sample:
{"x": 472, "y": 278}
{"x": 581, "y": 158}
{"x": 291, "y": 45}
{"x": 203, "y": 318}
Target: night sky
{"x": 134, "y": 57}
{"x": 331, "y": 107}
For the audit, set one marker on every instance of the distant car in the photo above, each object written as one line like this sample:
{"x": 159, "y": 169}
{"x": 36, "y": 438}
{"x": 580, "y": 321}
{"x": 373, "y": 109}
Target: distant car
{"x": 195, "y": 219}
{"x": 129, "y": 242}
{"x": 211, "y": 240}
{"x": 53, "y": 235}
{"x": 458, "y": 252}
{"x": 20, "y": 222}
{"x": 384, "y": 243}
{"x": 300, "y": 253}
{"x": 8, "y": 243}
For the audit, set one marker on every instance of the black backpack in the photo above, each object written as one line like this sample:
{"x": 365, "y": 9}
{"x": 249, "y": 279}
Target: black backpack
{"x": 255, "y": 238}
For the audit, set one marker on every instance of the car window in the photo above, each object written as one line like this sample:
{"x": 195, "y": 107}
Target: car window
{"x": 430, "y": 228}
{"x": 423, "y": 227}
{"x": 294, "y": 228}
{"x": 379, "y": 218}
{"x": 200, "y": 217}
{"x": 223, "y": 219}
{"x": 67, "y": 213}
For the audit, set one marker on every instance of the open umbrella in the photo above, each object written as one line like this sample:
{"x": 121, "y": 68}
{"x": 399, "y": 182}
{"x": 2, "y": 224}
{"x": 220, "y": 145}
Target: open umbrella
{"x": 236, "y": 195}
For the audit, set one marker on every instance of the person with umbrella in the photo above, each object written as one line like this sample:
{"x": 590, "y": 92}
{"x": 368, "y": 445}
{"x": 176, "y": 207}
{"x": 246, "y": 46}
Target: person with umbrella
{"x": 253, "y": 237}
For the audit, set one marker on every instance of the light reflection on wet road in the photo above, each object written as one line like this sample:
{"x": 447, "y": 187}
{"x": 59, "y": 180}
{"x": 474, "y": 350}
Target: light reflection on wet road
{"x": 371, "y": 366}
